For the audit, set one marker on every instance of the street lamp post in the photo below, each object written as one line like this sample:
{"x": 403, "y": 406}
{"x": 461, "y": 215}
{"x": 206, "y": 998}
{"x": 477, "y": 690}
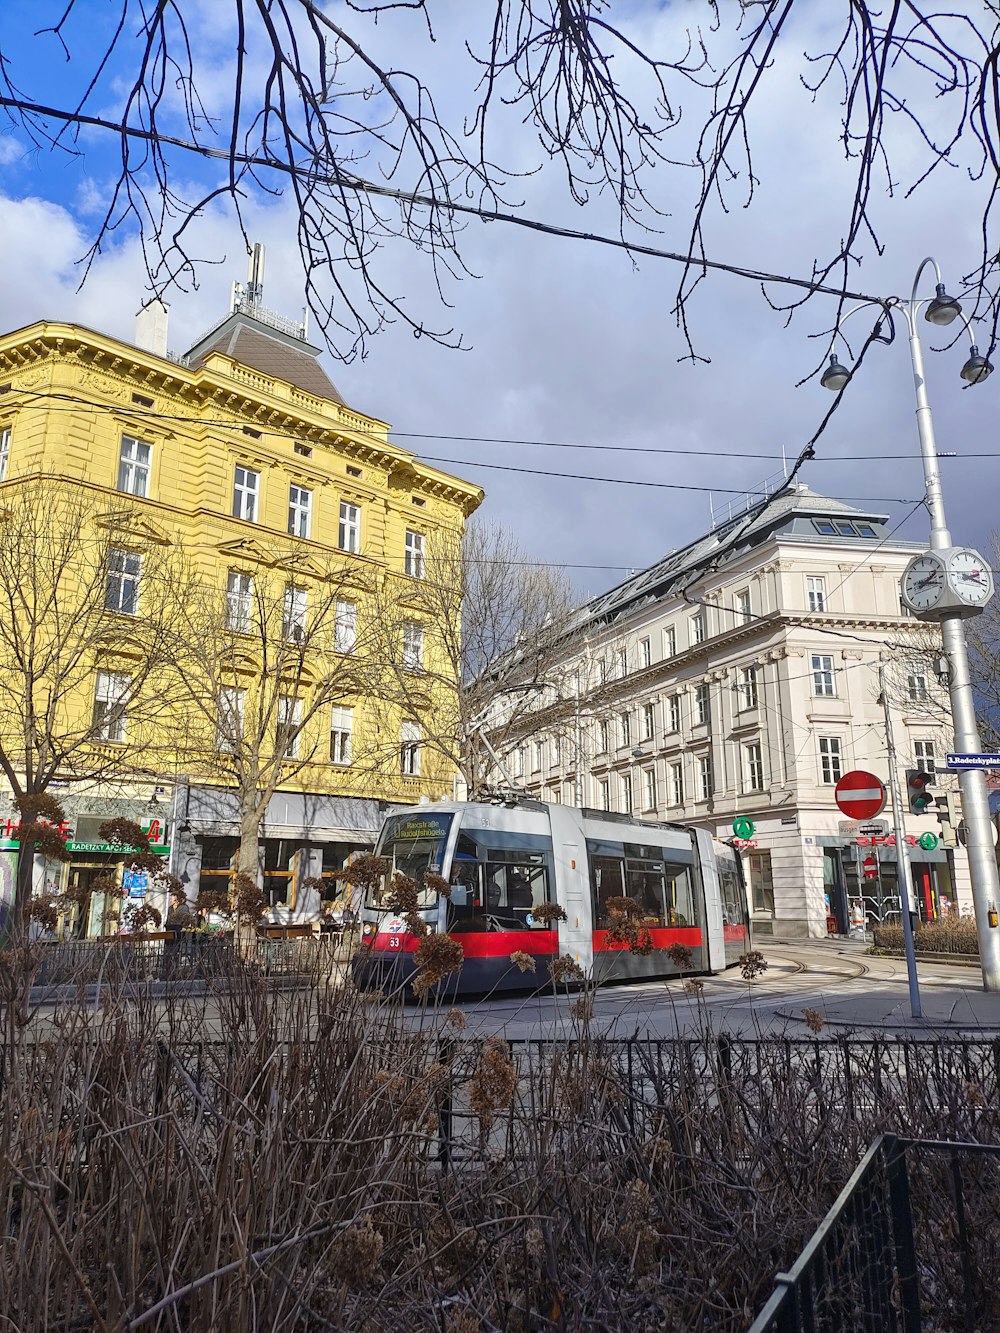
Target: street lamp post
{"x": 942, "y": 310}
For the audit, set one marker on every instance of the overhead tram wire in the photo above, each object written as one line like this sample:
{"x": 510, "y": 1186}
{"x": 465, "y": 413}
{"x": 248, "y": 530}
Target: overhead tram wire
{"x": 153, "y": 414}
{"x": 359, "y": 185}
{"x": 118, "y": 409}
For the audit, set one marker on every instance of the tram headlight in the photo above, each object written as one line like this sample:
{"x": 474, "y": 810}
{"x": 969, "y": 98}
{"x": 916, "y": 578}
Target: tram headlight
{"x": 368, "y": 928}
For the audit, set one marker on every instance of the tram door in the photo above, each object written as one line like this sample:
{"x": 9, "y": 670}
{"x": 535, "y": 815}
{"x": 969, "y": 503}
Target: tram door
{"x": 576, "y": 933}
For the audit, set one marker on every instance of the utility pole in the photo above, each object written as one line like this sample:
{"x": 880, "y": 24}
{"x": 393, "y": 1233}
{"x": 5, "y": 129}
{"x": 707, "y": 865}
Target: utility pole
{"x": 903, "y": 876}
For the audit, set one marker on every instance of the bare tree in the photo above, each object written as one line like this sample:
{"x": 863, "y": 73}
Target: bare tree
{"x": 261, "y": 665}
{"x": 471, "y": 645}
{"x": 90, "y": 601}
{"x": 317, "y": 102}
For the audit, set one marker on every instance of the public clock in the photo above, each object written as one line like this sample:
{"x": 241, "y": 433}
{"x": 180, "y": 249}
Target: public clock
{"x": 925, "y": 581}
{"x": 952, "y": 582}
{"x": 970, "y": 577}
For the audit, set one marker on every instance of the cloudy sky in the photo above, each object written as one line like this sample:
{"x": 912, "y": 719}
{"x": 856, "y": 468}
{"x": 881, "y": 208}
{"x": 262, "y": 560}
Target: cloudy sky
{"x": 569, "y": 343}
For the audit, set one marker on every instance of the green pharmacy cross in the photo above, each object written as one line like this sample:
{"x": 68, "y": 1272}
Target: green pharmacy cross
{"x": 743, "y": 827}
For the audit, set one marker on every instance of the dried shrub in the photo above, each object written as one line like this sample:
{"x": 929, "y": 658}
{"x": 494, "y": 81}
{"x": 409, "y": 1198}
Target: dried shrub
{"x": 949, "y": 936}
{"x": 45, "y": 908}
{"x": 681, "y": 956}
{"x": 565, "y": 970}
{"x": 545, "y": 913}
{"x": 214, "y": 902}
{"x": 249, "y": 899}
{"x": 752, "y": 965}
{"x": 367, "y": 873}
{"x": 140, "y": 916}
{"x": 356, "y": 1253}
{"x": 813, "y": 1020}
{"x": 494, "y": 1081}
{"x": 524, "y": 962}
{"x": 437, "y": 884}
{"x": 436, "y": 957}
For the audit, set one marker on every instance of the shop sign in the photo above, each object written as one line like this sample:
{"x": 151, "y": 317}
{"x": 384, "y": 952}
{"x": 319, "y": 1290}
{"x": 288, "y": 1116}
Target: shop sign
{"x": 157, "y": 848}
{"x": 154, "y": 829}
{"x": 745, "y": 844}
{"x": 889, "y": 840}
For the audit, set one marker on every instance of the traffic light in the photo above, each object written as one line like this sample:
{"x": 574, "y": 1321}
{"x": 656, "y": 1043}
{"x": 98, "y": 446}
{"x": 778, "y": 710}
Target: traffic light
{"x": 918, "y": 792}
{"x": 947, "y": 819}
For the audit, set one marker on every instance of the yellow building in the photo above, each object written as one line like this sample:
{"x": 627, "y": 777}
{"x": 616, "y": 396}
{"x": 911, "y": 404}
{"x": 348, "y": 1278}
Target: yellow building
{"x": 240, "y": 465}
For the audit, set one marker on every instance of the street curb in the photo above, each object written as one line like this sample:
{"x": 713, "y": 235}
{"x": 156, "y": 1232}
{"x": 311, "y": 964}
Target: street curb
{"x": 962, "y": 959}
{"x": 902, "y": 1024}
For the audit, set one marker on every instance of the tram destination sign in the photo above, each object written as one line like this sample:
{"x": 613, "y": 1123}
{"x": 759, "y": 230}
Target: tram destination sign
{"x": 960, "y": 761}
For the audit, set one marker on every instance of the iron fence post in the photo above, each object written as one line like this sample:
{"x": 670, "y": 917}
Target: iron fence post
{"x": 902, "y": 1233}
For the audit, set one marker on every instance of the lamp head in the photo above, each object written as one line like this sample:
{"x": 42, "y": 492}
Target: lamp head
{"x": 977, "y": 368}
{"x": 943, "y": 310}
{"x": 836, "y": 376}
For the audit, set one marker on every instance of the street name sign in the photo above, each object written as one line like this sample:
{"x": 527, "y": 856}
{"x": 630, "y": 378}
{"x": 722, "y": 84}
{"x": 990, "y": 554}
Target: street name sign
{"x": 860, "y": 795}
{"x": 960, "y": 761}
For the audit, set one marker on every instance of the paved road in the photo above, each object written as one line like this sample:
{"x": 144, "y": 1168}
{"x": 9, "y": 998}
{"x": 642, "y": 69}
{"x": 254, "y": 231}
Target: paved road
{"x": 846, "y": 987}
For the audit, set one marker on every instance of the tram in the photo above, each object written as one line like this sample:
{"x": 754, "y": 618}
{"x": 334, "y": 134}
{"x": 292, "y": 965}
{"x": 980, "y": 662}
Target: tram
{"x": 503, "y": 862}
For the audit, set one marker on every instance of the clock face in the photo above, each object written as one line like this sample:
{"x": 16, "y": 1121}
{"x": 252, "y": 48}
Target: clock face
{"x": 970, "y": 577}
{"x": 924, "y": 582}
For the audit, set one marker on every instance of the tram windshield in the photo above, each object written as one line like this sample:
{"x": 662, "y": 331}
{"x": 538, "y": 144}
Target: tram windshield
{"x": 414, "y": 845}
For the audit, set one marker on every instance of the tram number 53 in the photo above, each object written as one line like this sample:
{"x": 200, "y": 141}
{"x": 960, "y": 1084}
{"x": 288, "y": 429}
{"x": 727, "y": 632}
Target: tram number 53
{"x": 395, "y": 941}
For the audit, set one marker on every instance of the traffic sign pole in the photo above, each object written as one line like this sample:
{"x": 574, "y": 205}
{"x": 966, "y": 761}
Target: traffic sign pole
{"x": 902, "y": 852}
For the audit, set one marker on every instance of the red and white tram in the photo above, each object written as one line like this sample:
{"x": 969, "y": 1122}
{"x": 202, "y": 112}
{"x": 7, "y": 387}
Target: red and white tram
{"x": 504, "y": 862}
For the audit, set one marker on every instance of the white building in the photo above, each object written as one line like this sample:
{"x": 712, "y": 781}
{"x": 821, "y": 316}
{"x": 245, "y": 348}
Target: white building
{"x": 739, "y": 676}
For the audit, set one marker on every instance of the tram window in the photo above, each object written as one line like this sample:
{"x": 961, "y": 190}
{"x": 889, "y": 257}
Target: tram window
{"x": 733, "y": 899}
{"x": 499, "y": 892}
{"x": 606, "y": 881}
{"x": 644, "y": 885}
{"x": 680, "y": 905}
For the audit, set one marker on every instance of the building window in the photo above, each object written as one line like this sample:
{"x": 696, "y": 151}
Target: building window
{"x": 556, "y": 751}
{"x": 916, "y": 687}
{"x": 649, "y": 789}
{"x": 698, "y": 627}
{"x": 110, "y": 697}
{"x": 625, "y": 729}
{"x": 536, "y": 757}
{"x": 923, "y": 756}
{"x": 409, "y": 750}
{"x": 239, "y": 601}
{"x": 747, "y": 687}
{"x": 229, "y": 724}
{"x": 413, "y": 646}
{"x": 603, "y": 737}
{"x": 816, "y": 593}
{"x": 519, "y": 762}
{"x": 705, "y": 776}
{"x": 753, "y": 767}
{"x": 134, "y": 462}
{"x": 414, "y": 561}
{"x": 670, "y": 642}
{"x": 831, "y": 769}
{"x": 246, "y": 492}
{"x": 123, "y": 582}
{"x": 349, "y": 532}
{"x": 742, "y": 604}
{"x": 702, "y": 704}
{"x": 674, "y": 713}
{"x": 341, "y": 733}
{"x": 345, "y": 627}
{"x": 299, "y": 511}
{"x": 623, "y": 662}
{"x": 645, "y": 653}
{"x": 293, "y": 614}
{"x": 676, "y": 784}
{"x": 626, "y": 794}
{"x": 648, "y": 722}
{"x": 604, "y": 794}
{"x": 289, "y": 726}
{"x": 4, "y": 452}
{"x": 822, "y": 669}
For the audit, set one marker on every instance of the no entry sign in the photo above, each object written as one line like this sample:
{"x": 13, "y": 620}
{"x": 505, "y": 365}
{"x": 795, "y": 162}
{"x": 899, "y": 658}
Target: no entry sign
{"x": 860, "y": 795}
{"x": 870, "y": 867}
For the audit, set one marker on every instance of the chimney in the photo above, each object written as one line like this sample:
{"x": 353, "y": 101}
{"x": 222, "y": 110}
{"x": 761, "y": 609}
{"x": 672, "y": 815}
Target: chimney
{"x": 151, "y": 327}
